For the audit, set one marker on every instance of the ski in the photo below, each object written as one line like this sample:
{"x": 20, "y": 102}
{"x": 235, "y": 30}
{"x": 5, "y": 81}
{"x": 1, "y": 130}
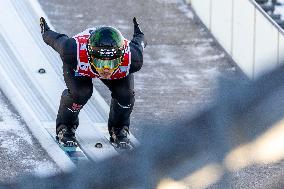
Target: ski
{"x": 122, "y": 148}
{"x": 75, "y": 153}
{"x": 103, "y": 129}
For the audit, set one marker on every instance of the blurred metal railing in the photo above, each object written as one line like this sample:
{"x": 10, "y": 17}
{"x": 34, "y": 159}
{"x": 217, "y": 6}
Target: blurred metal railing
{"x": 269, "y": 7}
{"x": 237, "y": 131}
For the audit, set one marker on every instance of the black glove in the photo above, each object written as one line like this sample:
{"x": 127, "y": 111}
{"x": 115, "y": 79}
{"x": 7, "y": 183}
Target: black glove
{"x": 137, "y": 32}
{"x": 136, "y": 27}
{"x": 43, "y": 25}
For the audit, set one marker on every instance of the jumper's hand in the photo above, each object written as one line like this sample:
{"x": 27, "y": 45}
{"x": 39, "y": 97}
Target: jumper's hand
{"x": 43, "y": 25}
{"x": 137, "y": 30}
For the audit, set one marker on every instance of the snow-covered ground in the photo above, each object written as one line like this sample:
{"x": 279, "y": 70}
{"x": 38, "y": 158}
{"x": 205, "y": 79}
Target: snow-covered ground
{"x": 20, "y": 152}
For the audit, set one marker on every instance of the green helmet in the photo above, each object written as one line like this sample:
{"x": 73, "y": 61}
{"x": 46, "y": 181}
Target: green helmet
{"x": 106, "y": 47}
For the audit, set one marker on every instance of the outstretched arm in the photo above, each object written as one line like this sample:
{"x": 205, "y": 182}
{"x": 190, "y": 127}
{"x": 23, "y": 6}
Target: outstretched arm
{"x": 55, "y": 40}
{"x": 61, "y": 43}
{"x": 137, "y": 45}
{"x": 138, "y": 36}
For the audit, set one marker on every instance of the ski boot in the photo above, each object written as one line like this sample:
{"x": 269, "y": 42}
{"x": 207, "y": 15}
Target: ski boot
{"x": 66, "y": 136}
{"x": 119, "y": 137}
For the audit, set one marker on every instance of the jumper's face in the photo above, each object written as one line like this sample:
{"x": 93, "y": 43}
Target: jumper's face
{"x": 105, "y": 67}
{"x": 105, "y": 73}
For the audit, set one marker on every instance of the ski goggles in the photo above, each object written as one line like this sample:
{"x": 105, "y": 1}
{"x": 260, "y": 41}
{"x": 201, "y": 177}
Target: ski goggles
{"x": 105, "y": 63}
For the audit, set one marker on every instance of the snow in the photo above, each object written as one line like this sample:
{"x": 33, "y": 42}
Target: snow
{"x": 17, "y": 143}
{"x": 79, "y": 16}
{"x": 184, "y": 8}
{"x": 167, "y": 1}
{"x": 168, "y": 58}
{"x": 11, "y": 123}
{"x": 210, "y": 58}
{"x": 41, "y": 169}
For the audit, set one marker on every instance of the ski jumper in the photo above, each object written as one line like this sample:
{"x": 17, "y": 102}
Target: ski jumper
{"x": 78, "y": 76}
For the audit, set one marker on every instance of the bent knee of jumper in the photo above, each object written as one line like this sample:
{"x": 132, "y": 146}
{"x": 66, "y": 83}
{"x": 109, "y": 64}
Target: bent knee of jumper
{"x": 82, "y": 96}
{"x": 126, "y": 99}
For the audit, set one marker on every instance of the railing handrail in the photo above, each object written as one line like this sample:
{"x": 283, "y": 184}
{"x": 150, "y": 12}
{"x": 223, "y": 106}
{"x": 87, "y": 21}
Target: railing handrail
{"x": 257, "y": 6}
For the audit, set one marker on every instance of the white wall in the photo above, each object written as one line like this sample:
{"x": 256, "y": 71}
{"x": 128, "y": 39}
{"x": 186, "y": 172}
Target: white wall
{"x": 243, "y": 35}
{"x": 201, "y": 6}
{"x": 221, "y": 25}
{"x": 253, "y": 40}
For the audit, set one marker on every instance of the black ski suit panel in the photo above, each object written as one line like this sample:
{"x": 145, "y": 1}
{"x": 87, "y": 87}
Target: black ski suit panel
{"x": 79, "y": 89}
{"x": 122, "y": 102}
{"x": 136, "y": 49}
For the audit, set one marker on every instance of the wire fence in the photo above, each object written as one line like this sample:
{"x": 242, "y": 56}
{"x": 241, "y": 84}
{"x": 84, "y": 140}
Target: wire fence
{"x": 196, "y": 148}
